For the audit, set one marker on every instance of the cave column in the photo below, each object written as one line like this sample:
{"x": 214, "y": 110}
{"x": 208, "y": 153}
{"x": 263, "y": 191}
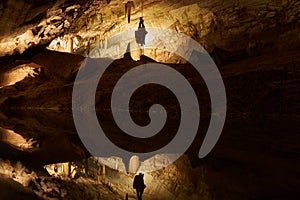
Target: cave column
{"x": 99, "y": 173}
{"x": 70, "y": 44}
{"x": 66, "y": 169}
{"x": 103, "y": 171}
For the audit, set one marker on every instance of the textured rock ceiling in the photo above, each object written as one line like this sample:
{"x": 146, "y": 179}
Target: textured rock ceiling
{"x": 253, "y": 26}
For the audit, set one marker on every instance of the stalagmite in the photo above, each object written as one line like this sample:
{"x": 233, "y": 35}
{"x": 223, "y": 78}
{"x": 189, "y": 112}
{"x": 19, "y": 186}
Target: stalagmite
{"x": 134, "y": 164}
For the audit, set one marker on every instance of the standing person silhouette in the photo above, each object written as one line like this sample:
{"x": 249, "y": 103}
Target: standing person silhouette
{"x": 139, "y": 185}
{"x": 59, "y": 47}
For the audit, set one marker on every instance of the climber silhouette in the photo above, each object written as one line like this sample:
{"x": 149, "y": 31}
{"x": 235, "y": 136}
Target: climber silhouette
{"x": 139, "y": 185}
{"x": 140, "y": 34}
{"x": 141, "y": 24}
{"x": 128, "y": 6}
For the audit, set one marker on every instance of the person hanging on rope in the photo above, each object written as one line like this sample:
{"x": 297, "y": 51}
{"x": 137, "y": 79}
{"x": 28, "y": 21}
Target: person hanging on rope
{"x": 140, "y": 34}
{"x": 128, "y": 6}
{"x": 141, "y": 24}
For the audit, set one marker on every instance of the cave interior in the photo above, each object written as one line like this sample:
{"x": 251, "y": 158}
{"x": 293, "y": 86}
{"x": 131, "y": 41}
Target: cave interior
{"x": 254, "y": 46}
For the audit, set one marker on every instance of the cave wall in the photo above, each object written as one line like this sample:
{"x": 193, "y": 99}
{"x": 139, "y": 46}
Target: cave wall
{"x": 250, "y": 27}
{"x": 257, "y": 156}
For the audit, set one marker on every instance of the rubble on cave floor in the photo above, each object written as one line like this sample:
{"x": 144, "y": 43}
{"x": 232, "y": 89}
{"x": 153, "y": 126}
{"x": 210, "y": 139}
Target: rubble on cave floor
{"x": 45, "y": 186}
{"x": 83, "y": 180}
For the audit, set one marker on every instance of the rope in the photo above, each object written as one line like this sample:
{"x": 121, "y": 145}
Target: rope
{"x": 142, "y": 8}
{"x": 143, "y": 48}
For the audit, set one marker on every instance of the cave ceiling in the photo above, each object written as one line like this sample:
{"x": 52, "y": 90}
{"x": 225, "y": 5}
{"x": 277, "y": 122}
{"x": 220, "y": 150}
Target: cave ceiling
{"x": 252, "y": 26}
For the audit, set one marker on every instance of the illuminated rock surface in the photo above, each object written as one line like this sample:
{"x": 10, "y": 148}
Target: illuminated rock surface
{"x": 244, "y": 26}
{"x": 256, "y": 46}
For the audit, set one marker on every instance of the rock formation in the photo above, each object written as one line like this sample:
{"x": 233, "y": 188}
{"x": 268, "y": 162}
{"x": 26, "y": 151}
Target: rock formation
{"x": 256, "y": 47}
{"x": 134, "y": 164}
{"x": 242, "y": 29}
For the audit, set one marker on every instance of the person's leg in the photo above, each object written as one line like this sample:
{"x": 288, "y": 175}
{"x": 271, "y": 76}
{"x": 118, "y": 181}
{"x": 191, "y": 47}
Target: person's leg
{"x": 139, "y": 194}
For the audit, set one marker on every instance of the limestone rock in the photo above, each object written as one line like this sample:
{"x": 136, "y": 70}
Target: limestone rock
{"x": 228, "y": 25}
{"x": 134, "y": 164}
